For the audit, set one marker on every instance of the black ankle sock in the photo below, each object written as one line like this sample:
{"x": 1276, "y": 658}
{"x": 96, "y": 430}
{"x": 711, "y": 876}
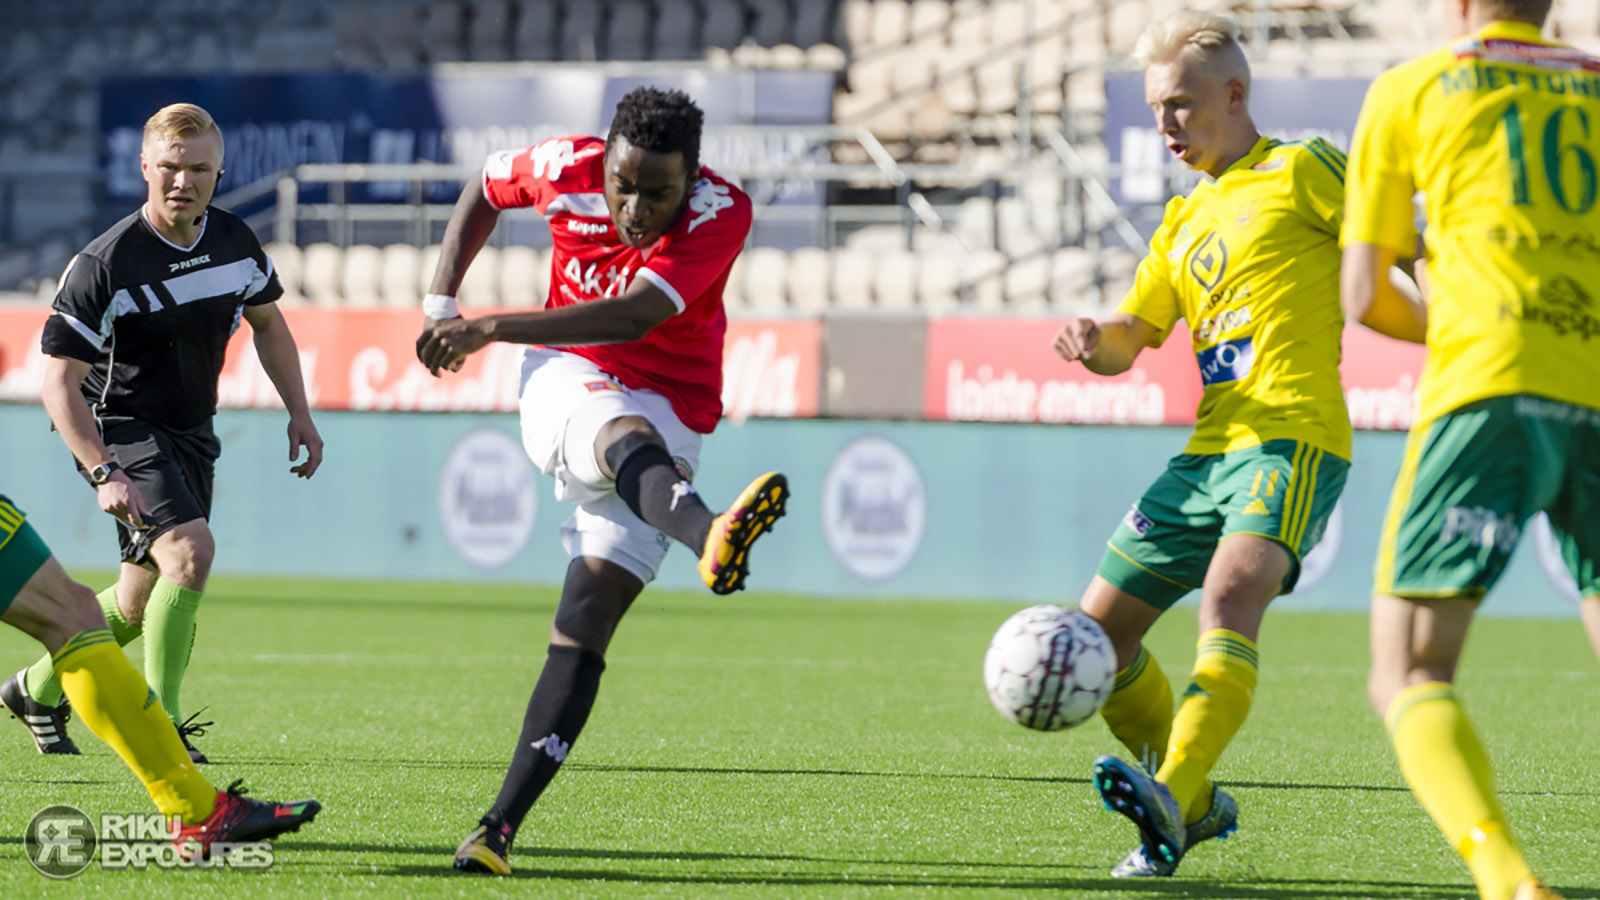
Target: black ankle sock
{"x": 649, "y": 482}
{"x": 560, "y": 705}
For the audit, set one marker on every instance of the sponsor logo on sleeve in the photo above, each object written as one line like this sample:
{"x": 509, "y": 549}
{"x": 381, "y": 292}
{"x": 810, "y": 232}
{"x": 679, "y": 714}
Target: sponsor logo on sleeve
{"x": 709, "y": 199}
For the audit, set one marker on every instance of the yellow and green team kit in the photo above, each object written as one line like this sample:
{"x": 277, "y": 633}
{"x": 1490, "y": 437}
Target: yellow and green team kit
{"x": 1500, "y": 132}
{"x": 1250, "y": 260}
{"x": 107, "y": 693}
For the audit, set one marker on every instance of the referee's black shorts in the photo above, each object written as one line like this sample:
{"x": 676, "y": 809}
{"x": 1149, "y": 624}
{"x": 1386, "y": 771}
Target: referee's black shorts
{"x": 173, "y": 471}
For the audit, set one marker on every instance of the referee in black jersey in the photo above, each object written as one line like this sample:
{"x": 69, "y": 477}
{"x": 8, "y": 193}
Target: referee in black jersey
{"x": 141, "y": 322}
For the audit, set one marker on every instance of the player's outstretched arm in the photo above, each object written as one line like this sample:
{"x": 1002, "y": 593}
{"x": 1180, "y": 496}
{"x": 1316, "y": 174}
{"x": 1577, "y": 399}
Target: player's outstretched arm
{"x": 69, "y": 412}
{"x": 280, "y": 358}
{"x": 1106, "y": 347}
{"x": 1370, "y": 294}
{"x": 613, "y": 320}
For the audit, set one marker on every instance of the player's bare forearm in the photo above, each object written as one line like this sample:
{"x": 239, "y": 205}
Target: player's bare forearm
{"x": 1370, "y": 294}
{"x": 279, "y": 356}
{"x": 1121, "y": 338}
{"x": 69, "y": 412}
{"x": 613, "y": 320}
{"x": 470, "y": 225}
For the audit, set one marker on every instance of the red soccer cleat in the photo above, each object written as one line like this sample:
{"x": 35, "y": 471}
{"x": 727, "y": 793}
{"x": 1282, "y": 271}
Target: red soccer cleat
{"x": 238, "y": 819}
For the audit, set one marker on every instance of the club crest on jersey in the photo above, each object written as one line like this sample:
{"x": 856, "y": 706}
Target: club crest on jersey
{"x": 1209, "y": 262}
{"x": 709, "y": 199}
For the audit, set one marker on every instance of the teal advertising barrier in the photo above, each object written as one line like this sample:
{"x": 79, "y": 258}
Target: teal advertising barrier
{"x": 1015, "y": 513}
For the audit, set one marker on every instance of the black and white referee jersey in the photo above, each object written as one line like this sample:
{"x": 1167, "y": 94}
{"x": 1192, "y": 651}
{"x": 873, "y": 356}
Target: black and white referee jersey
{"x": 154, "y": 318}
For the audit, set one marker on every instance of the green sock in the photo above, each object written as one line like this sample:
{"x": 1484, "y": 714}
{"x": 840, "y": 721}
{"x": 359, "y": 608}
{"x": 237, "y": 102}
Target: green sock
{"x": 169, "y": 625}
{"x": 41, "y": 680}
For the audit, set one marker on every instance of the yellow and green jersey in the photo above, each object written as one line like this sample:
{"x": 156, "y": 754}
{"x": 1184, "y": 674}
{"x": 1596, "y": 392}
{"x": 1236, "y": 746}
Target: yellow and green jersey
{"x": 1500, "y": 131}
{"x": 1251, "y": 261}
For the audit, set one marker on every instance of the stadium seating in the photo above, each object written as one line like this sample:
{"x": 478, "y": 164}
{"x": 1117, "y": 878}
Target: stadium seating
{"x": 940, "y": 81}
{"x": 764, "y": 280}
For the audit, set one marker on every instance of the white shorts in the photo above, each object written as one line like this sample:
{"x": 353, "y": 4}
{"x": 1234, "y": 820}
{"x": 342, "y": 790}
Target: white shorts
{"x": 564, "y": 401}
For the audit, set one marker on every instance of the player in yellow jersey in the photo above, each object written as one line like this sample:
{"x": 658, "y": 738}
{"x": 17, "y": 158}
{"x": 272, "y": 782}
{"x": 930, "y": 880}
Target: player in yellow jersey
{"x": 1500, "y": 131}
{"x": 1250, "y": 260}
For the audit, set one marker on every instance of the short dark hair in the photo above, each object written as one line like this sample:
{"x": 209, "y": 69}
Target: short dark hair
{"x": 661, "y": 122}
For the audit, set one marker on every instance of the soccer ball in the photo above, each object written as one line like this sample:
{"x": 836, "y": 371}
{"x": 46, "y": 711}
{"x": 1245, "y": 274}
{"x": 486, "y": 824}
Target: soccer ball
{"x": 1049, "y": 668}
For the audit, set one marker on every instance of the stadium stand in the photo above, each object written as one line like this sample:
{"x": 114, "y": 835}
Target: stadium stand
{"x": 965, "y": 87}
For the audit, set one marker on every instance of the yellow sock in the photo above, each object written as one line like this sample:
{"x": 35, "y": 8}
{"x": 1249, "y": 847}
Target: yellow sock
{"x": 1139, "y": 710}
{"x": 1447, "y": 769}
{"x": 1214, "y": 706}
{"x": 113, "y": 699}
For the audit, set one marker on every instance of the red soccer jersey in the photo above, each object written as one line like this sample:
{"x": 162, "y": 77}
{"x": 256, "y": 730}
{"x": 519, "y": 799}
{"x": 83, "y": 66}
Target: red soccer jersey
{"x": 564, "y": 179}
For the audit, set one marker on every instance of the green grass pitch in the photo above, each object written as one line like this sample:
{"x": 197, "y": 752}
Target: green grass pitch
{"x": 777, "y": 746}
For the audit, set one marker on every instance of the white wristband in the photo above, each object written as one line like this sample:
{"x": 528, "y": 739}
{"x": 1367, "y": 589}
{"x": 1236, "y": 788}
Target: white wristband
{"x": 440, "y": 306}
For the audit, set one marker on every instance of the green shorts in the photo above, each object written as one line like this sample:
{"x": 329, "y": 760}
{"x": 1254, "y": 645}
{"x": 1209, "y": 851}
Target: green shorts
{"x": 22, "y": 552}
{"x": 1284, "y": 490}
{"x": 1469, "y": 482}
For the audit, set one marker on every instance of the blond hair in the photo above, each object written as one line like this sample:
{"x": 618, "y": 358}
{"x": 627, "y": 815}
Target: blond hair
{"x": 180, "y": 120}
{"x": 1194, "y": 36}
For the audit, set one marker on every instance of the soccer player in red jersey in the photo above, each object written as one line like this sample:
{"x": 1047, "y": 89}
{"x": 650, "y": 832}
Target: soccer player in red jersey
{"x": 621, "y": 378}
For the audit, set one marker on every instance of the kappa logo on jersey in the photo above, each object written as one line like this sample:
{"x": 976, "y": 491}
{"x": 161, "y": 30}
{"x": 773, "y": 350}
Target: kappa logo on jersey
{"x": 552, "y": 157}
{"x": 499, "y": 164}
{"x": 592, "y": 283}
{"x": 709, "y": 199}
{"x": 577, "y": 227}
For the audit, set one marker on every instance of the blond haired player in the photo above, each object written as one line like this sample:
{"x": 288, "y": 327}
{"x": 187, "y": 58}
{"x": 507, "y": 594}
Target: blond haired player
{"x": 1500, "y": 131}
{"x": 1249, "y": 260}
{"x": 135, "y": 344}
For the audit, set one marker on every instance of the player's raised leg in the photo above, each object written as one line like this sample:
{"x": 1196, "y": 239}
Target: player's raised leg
{"x": 596, "y": 595}
{"x": 648, "y": 480}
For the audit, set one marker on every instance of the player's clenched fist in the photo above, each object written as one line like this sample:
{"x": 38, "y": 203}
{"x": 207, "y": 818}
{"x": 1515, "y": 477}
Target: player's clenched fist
{"x": 445, "y": 343}
{"x": 1077, "y": 339}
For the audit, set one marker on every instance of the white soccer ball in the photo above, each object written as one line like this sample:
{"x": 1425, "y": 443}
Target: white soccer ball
{"x": 1049, "y": 668}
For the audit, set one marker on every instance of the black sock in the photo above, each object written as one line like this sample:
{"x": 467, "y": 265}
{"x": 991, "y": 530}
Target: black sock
{"x": 560, "y": 705}
{"x": 650, "y": 483}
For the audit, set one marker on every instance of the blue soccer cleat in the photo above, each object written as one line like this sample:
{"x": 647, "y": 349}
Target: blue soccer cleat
{"x": 1221, "y": 820}
{"x": 1129, "y": 790}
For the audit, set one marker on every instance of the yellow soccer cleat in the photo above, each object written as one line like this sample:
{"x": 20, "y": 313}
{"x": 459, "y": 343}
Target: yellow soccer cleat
{"x": 485, "y": 851}
{"x": 726, "y": 559}
{"x": 1532, "y": 889}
